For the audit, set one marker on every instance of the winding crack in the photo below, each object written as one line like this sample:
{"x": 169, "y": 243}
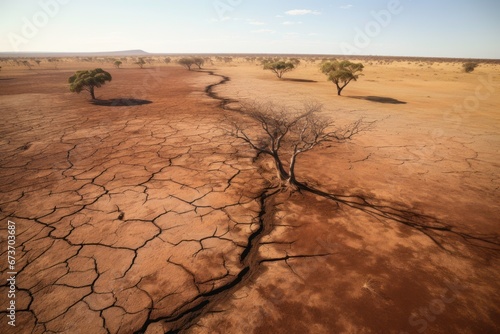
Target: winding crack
{"x": 250, "y": 260}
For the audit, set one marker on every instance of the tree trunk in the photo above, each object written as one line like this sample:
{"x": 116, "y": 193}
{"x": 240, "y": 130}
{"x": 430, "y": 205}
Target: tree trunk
{"x": 282, "y": 173}
{"x": 339, "y": 90}
{"x": 293, "y": 160}
{"x": 92, "y": 92}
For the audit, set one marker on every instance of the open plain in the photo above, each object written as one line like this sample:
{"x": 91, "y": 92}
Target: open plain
{"x": 142, "y": 214}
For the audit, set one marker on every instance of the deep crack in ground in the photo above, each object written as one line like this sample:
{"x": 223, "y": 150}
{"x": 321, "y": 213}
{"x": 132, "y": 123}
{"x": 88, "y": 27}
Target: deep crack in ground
{"x": 250, "y": 260}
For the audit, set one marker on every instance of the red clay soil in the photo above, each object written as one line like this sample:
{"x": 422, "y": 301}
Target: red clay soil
{"x": 139, "y": 213}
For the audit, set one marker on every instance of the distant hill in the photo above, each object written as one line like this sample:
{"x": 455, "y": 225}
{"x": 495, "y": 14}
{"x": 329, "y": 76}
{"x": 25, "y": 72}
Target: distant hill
{"x": 74, "y": 54}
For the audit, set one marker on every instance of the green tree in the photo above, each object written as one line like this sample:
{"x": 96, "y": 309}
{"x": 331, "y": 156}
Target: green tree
{"x": 279, "y": 68}
{"x": 88, "y": 80}
{"x": 470, "y": 67}
{"x": 117, "y": 63}
{"x": 167, "y": 60}
{"x": 342, "y": 73}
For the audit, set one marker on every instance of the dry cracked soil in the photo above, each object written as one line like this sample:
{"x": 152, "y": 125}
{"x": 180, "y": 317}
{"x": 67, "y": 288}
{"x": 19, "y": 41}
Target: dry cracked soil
{"x": 140, "y": 214}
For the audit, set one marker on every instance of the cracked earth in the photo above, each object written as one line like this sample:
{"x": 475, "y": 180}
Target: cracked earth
{"x": 151, "y": 219}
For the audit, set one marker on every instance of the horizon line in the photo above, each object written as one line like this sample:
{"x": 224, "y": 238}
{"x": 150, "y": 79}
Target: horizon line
{"x": 137, "y": 52}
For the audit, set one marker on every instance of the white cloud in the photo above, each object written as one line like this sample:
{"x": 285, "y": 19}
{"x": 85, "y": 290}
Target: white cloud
{"x": 263, "y": 31}
{"x": 256, "y": 23}
{"x": 225, "y": 19}
{"x": 289, "y": 23}
{"x": 295, "y": 12}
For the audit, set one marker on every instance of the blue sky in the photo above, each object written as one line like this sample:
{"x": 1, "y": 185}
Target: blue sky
{"x": 437, "y": 28}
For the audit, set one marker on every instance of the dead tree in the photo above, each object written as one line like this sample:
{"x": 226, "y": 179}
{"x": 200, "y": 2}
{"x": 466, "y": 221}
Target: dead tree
{"x": 286, "y": 134}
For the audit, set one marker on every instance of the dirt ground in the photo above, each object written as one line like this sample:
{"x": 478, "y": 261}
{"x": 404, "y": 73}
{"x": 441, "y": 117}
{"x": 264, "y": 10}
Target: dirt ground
{"x": 140, "y": 214}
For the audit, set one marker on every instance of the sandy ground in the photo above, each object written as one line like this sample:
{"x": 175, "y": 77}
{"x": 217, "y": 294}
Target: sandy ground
{"x": 147, "y": 217}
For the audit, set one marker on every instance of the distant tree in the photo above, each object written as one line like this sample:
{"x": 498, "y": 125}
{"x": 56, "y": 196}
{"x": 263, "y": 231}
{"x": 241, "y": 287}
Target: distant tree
{"x": 54, "y": 61}
{"x": 470, "y": 67}
{"x": 88, "y": 80}
{"x": 38, "y": 62}
{"x": 341, "y": 73}
{"x": 117, "y": 63}
{"x": 295, "y": 61}
{"x": 270, "y": 60}
{"x": 279, "y": 68}
{"x": 167, "y": 60}
{"x": 209, "y": 60}
{"x": 140, "y": 62}
{"x": 198, "y": 61}
{"x": 27, "y": 64}
{"x": 186, "y": 62}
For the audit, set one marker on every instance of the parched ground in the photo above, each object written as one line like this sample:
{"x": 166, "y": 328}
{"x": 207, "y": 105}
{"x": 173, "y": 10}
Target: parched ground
{"x": 123, "y": 213}
{"x": 142, "y": 215}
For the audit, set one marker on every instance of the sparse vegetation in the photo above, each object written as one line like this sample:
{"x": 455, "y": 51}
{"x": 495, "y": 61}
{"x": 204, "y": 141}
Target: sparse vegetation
{"x": 295, "y": 61}
{"x": 54, "y": 61}
{"x": 88, "y": 80}
{"x": 186, "y": 62}
{"x": 140, "y": 62}
{"x": 224, "y": 59}
{"x": 341, "y": 73}
{"x": 470, "y": 66}
{"x": 117, "y": 63}
{"x": 279, "y": 67}
{"x": 198, "y": 61}
{"x": 27, "y": 64}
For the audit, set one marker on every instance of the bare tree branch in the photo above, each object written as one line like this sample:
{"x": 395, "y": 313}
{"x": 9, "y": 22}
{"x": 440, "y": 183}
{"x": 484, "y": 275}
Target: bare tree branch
{"x": 289, "y": 132}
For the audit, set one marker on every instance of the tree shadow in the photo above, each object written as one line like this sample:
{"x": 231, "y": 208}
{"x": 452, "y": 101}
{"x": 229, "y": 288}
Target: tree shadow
{"x": 120, "y": 102}
{"x": 378, "y": 99}
{"x": 6, "y": 79}
{"x": 436, "y": 230}
{"x": 298, "y": 80}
